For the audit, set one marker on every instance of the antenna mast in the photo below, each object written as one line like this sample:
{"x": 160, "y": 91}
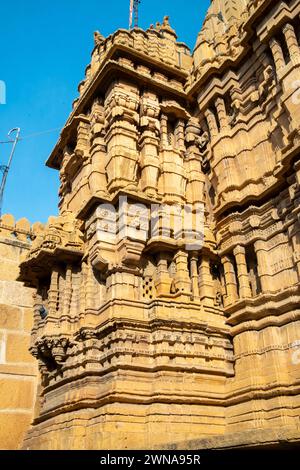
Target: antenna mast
{"x": 134, "y": 14}
{"x": 5, "y": 168}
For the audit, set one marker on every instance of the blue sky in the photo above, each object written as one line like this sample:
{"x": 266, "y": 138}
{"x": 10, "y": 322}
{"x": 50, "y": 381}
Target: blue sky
{"x": 44, "y": 49}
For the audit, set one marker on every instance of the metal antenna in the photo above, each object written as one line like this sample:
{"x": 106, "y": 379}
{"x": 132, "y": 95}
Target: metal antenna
{"x": 5, "y": 168}
{"x": 134, "y": 14}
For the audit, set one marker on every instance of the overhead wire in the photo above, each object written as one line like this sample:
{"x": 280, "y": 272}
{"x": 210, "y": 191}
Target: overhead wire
{"x": 30, "y": 136}
{"x": 4, "y": 169}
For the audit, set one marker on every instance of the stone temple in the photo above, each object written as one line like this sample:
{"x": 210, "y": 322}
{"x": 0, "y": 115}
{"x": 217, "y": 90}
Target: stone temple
{"x": 163, "y": 302}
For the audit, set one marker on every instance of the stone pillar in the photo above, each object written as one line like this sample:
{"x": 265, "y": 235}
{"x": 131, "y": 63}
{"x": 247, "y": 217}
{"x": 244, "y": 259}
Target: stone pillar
{"x": 75, "y": 289}
{"x": 97, "y": 177}
{"x": 110, "y": 284}
{"x": 53, "y": 292}
{"x": 138, "y": 287}
{"x": 222, "y": 114}
{"x": 82, "y": 145}
{"x": 194, "y": 275}
{"x": 182, "y": 279}
{"x": 196, "y": 180}
{"x": 90, "y": 294}
{"x": 123, "y": 120}
{"x": 291, "y": 40}
{"x": 277, "y": 54}
{"x": 212, "y": 123}
{"x": 295, "y": 238}
{"x": 149, "y": 159}
{"x": 180, "y": 141}
{"x": 163, "y": 280}
{"x": 83, "y": 279}
{"x": 124, "y": 284}
{"x": 164, "y": 130}
{"x": 243, "y": 276}
{"x": 263, "y": 266}
{"x": 67, "y": 291}
{"x": 37, "y": 304}
{"x": 206, "y": 284}
{"x": 230, "y": 280}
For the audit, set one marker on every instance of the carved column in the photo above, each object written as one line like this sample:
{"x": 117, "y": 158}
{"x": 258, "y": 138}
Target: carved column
{"x": 291, "y": 40}
{"x": 263, "y": 266}
{"x": 82, "y": 145}
{"x": 196, "y": 180}
{"x": 90, "y": 293}
{"x": 97, "y": 176}
{"x": 230, "y": 280}
{"x": 180, "y": 142}
{"x": 74, "y": 295}
{"x": 110, "y": 285}
{"x": 149, "y": 145}
{"x": 194, "y": 275}
{"x": 37, "y": 304}
{"x": 206, "y": 283}
{"x": 149, "y": 163}
{"x": 222, "y": 114}
{"x": 163, "y": 280}
{"x": 122, "y": 121}
{"x": 212, "y": 123}
{"x": 83, "y": 279}
{"x": 164, "y": 130}
{"x": 295, "y": 239}
{"x": 123, "y": 284}
{"x": 182, "y": 279}
{"x": 53, "y": 292}
{"x": 277, "y": 54}
{"x": 138, "y": 287}
{"x": 242, "y": 271}
{"x": 67, "y": 291}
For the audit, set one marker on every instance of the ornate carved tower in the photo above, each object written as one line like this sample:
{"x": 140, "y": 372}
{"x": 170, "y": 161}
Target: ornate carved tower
{"x": 167, "y": 290}
{"x": 131, "y": 291}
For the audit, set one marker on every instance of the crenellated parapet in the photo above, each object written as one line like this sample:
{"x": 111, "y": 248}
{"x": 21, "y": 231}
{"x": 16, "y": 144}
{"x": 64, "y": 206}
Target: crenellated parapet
{"x": 20, "y": 230}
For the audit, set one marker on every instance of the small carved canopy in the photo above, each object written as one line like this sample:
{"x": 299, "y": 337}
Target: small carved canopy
{"x": 166, "y": 27}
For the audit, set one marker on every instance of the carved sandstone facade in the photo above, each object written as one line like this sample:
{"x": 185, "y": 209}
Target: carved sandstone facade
{"x": 155, "y": 337}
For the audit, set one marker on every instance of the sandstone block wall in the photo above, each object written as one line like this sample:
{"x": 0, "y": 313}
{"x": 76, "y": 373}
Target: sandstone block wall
{"x": 18, "y": 369}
